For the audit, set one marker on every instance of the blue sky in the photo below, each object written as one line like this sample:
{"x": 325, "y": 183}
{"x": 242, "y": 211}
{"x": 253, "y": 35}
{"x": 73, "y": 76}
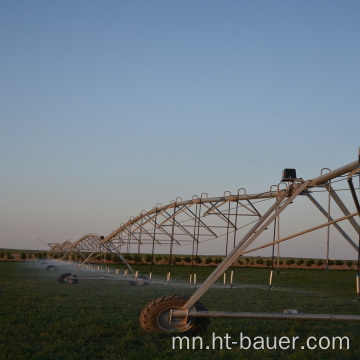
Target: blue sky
{"x": 109, "y": 107}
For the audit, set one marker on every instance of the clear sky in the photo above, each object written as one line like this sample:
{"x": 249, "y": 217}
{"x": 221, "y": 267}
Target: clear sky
{"x": 109, "y": 107}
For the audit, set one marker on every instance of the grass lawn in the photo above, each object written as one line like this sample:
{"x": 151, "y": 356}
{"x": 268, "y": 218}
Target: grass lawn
{"x": 98, "y": 319}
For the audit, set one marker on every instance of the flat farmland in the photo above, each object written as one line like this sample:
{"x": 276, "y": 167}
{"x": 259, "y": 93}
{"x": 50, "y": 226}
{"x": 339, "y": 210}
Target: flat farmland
{"x": 98, "y": 317}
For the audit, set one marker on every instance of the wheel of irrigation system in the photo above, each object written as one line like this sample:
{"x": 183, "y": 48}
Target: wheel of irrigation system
{"x": 140, "y": 280}
{"x": 51, "y": 267}
{"x": 155, "y": 316}
{"x": 68, "y": 279}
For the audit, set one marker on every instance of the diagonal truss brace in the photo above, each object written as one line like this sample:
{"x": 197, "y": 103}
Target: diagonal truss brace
{"x": 336, "y": 225}
{"x": 255, "y": 231}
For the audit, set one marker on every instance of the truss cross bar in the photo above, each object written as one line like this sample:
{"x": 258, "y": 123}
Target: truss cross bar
{"x": 131, "y": 235}
{"x": 264, "y": 315}
{"x": 336, "y": 225}
{"x": 182, "y": 209}
{"x": 178, "y": 225}
{"x": 164, "y": 232}
{"x": 231, "y": 214}
{"x": 252, "y": 205}
{"x": 221, "y": 215}
{"x": 344, "y": 209}
{"x": 253, "y": 210}
{"x": 111, "y": 248}
{"x": 157, "y": 213}
{"x": 132, "y": 222}
{"x": 255, "y": 231}
{"x": 232, "y": 199}
{"x": 84, "y": 262}
{"x": 203, "y": 224}
{"x": 216, "y": 205}
{"x": 151, "y": 236}
{"x": 301, "y": 233}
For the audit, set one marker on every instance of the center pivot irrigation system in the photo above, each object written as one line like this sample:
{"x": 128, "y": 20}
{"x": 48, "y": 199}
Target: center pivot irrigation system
{"x": 237, "y": 221}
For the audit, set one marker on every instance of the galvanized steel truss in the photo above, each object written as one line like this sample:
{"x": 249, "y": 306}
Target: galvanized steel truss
{"x": 238, "y": 220}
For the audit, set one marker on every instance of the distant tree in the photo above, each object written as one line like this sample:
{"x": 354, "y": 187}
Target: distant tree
{"x": 259, "y": 261}
{"x": 217, "y": 260}
{"x": 331, "y": 262}
{"x": 29, "y": 256}
{"x": 176, "y": 259}
{"x": 240, "y": 261}
{"x": 198, "y": 259}
{"x": 187, "y": 259}
{"x": 128, "y": 257}
{"x": 247, "y": 260}
{"x": 290, "y": 261}
{"x": 2, "y": 254}
{"x": 148, "y": 258}
{"x": 349, "y": 263}
{"x": 268, "y": 262}
{"x": 158, "y": 258}
{"x": 137, "y": 258}
{"x": 9, "y": 256}
{"x": 309, "y": 262}
{"x": 320, "y": 263}
{"x": 23, "y": 256}
{"x": 300, "y": 262}
{"x": 208, "y": 260}
{"x": 339, "y": 262}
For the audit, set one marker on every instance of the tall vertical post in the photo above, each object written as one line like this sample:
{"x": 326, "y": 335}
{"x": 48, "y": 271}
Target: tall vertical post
{"x": 328, "y": 228}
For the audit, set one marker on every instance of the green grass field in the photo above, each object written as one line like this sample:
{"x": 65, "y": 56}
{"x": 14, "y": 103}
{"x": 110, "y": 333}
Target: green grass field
{"x": 98, "y": 319}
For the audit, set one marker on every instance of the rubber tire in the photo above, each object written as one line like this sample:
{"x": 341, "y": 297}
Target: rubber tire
{"x": 140, "y": 281}
{"x": 63, "y": 279}
{"x": 155, "y": 310}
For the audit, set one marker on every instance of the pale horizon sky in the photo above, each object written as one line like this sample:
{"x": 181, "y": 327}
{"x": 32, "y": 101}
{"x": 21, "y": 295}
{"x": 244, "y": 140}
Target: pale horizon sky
{"x": 108, "y": 108}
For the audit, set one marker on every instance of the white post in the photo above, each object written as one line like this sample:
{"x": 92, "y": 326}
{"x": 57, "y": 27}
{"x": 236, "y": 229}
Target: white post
{"x": 270, "y": 281}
